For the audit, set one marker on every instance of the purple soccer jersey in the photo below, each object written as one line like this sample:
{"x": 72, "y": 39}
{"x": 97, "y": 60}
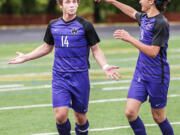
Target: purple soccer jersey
{"x": 72, "y": 41}
{"x": 152, "y": 75}
{"x": 153, "y": 31}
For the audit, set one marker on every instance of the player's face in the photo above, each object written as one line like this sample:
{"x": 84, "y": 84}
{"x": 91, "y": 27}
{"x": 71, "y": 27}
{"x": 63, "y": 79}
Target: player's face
{"x": 69, "y": 7}
{"x": 145, "y": 5}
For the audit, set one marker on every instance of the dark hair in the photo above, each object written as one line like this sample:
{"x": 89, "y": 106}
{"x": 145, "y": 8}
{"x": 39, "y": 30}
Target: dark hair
{"x": 61, "y": 1}
{"x": 161, "y": 4}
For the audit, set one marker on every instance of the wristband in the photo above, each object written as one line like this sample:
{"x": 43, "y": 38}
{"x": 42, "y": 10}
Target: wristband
{"x": 105, "y": 66}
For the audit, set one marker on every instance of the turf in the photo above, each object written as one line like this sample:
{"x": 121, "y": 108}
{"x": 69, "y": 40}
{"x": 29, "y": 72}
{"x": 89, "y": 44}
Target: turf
{"x": 101, "y": 115}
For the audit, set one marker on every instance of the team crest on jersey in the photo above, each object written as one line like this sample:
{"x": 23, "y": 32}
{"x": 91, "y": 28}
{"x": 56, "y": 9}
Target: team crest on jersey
{"x": 148, "y": 26}
{"x": 74, "y": 31}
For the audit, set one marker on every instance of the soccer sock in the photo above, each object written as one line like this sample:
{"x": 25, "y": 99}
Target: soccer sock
{"x": 166, "y": 128}
{"x": 138, "y": 127}
{"x": 64, "y": 129}
{"x": 82, "y": 130}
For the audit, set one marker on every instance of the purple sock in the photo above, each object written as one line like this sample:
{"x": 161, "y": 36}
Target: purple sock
{"x": 64, "y": 129}
{"x": 166, "y": 128}
{"x": 138, "y": 127}
{"x": 82, "y": 130}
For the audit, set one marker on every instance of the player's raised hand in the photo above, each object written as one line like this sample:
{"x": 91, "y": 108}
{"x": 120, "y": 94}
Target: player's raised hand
{"x": 123, "y": 35}
{"x": 21, "y": 58}
{"x": 111, "y": 72}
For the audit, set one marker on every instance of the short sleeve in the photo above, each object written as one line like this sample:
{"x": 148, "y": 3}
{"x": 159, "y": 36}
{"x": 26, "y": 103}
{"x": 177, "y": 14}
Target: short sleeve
{"x": 138, "y": 17}
{"x": 48, "y": 38}
{"x": 91, "y": 34}
{"x": 161, "y": 32}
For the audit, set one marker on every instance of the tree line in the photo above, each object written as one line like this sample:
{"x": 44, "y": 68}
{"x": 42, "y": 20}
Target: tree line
{"x": 99, "y": 10}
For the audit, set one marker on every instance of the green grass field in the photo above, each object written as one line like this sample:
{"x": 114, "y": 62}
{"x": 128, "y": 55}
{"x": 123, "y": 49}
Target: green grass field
{"x": 25, "y": 93}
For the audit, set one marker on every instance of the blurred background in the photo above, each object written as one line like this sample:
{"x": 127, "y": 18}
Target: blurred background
{"x": 25, "y": 12}
{"x": 25, "y": 89}
{"x": 26, "y": 20}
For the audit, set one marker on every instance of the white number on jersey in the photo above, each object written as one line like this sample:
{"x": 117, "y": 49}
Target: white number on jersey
{"x": 141, "y": 34}
{"x": 64, "y": 41}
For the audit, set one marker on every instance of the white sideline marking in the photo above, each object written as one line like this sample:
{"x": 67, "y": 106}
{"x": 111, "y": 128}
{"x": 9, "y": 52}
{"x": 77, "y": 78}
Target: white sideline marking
{"x": 108, "y": 128}
{"x": 91, "y": 102}
{"x": 110, "y": 82}
{"x": 175, "y": 78}
{"x": 16, "y": 87}
{"x": 20, "y": 87}
{"x": 91, "y": 71}
{"x": 11, "y": 86}
{"x": 25, "y": 88}
{"x": 115, "y": 88}
{"x": 26, "y": 74}
{"x": 48, "y": 105}
{"x": 107, "y": 100}
{"x": 25, "y": 107}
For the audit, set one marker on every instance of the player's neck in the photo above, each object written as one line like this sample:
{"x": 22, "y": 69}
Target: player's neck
{"x": 152, "y": 12}
{"x": 67, "y": 17}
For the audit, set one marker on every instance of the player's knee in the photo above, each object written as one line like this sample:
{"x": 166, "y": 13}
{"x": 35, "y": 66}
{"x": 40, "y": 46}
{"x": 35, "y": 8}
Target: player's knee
{"x": 130, "y": 114}
{"x": 61, "y": 117}
{"x": 158, "y": 118}
{"x": 81, "y": 118}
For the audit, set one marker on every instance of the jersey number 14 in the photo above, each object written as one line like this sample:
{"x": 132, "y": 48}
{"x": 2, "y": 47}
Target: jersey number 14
{"x": 64, "y": 40}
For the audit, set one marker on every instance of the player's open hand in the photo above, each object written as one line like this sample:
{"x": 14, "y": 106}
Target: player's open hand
{"x": 111, "y": 72}
{"x": 21, "y": 58}
{"x": 123, "y": 35}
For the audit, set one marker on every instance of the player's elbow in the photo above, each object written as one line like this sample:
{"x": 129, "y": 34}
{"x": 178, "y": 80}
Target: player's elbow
{"x": 153, "y": 55}
{"x": 154, "y": 52}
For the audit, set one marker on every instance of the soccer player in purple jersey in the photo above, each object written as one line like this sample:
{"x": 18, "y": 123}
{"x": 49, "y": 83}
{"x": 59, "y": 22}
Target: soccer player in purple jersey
{"x": 152, "y": 74}
{"x": 72, "y": 37}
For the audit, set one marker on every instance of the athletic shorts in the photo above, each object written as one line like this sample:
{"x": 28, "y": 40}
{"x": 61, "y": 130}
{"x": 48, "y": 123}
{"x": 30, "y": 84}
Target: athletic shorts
{"x": 157, "y": 92}
{"x": 71, "y": 90}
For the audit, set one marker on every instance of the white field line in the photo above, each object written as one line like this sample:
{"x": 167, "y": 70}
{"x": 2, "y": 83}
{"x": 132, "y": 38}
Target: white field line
{"x": 118, "y": 60}
{"x": 110, "y": 82}
{"x": 174, "y": 50}
{"x": 26, "y": 74}
{"x": 25, "y": 88}
{"x": 11, "y": 86}
{"x": 20, "y": 88}
{"x": 115, "y": 88}
{"x": 91, "y": 102}
{"x": 126, "y": 88}
{"x": 135, "y": 59}
{"x": 48, "y": 105}
{"x": 5, "y": 65}
{"x": 175, "y": 78}
{"x": 91, "y": 71}
{"x": 108, "y": 128}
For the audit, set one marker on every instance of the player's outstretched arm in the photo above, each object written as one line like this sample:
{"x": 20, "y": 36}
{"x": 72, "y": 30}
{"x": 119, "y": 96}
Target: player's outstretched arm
{"x": 123, "y": 7}
{"x": 109, "y": 70}
{"x": 151, "y": 51}
{"x": 37, "y": 53}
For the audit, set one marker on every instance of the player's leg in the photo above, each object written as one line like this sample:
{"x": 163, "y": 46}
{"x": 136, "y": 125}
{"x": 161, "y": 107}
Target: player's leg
{"x": 82, "y": 124}
{"x": 132, "y": 109}
{"x": 80, "y": 100}
{"x": 62, "y": 122}
{"x": 61, "y": 98}
{"x": 136, "y": 96}
{"x": 159, "y": 116}
{"x": 158, "y": 100}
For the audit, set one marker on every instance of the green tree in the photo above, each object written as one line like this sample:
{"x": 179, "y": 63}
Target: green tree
{"x": 97, "y": 16}
{"x": 7, "y": 7}
{"x": 51, "y": 7}
{"x": 28, "y": 6}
